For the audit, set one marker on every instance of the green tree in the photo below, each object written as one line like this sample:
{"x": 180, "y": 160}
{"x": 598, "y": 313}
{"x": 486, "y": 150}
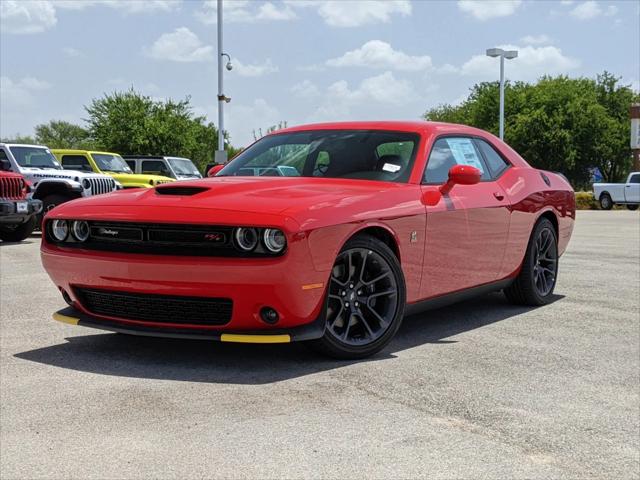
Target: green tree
{"x": 61, "y": 134}
{"x": 557, "y": 123}
{"x": 131, "y": 123}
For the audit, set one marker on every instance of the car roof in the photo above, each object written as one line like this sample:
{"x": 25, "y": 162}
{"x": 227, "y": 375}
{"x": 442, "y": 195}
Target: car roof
{"x": 414, "y": 126}
{"x": 78, "y": 150}
{"x": 22, "y": 145}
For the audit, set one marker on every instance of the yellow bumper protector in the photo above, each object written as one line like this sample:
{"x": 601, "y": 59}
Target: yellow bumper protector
{"x": 65, "y": 319}
{"x": 230, "y": 337}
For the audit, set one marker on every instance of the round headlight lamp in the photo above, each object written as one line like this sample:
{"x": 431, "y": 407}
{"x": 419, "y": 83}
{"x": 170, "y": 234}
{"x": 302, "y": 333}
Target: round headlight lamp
{"x": 275, "y": 240}
{"x": 80, "y": 230}
{"x": 246, "y": 238}
{"x": 59, "y": 230}
{"x": 86, "y": 184}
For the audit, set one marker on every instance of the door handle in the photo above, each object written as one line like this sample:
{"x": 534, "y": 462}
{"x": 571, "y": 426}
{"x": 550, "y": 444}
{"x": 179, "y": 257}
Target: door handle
{"x": 498, "y": 195}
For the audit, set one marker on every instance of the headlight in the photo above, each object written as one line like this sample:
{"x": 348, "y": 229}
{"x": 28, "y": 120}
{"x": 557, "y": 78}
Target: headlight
{"x": 80, "y": 230}
{"x": 274, "y": 240}
{"x": 59, "y": 230}
{"x": 86, "y": 184}
{"x": 150, "y": 182}
{"x": 246, "y": 238}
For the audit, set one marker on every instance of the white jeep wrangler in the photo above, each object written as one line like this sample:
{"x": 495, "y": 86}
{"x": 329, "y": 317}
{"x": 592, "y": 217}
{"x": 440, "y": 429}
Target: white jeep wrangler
{"x": 49, "y": 182}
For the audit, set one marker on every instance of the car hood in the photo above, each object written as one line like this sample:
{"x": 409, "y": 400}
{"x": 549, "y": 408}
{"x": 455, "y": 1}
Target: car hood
{"x": 268, "y": 195}
{"x": 126, "y": 178}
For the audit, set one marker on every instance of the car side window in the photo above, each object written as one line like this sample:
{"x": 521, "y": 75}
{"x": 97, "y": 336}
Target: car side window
{"x": 3, "y": 155}
{"x": 154, "y": 167}
{"x": 76, "y": 162}
{"x": 494, "y": 160}
{"x": 635, "y": 178}
{"x": 450, "y": 151}
{"x": 132, "y": 165}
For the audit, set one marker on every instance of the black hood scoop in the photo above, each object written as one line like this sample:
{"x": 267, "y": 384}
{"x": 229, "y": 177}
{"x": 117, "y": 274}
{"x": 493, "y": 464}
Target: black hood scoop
{"x": 180, "y": 190}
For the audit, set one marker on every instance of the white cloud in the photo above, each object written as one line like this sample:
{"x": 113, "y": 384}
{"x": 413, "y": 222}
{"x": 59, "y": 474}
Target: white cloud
{"x": 21, "y": 93}
{"x": 379, "y": 54}
{"x": 245, "y": 11}
{"x": 532, "y": 62}
{"x": 72, "y": 52}
{"x": 535, "y": 39}
{"x": 249, "y": 70}
{"x": 487, "y": 9}
{"x": 181, "y": 45}
{"x": 592, "y": 9}
{"x": 26, "y": 17}
{"x": 305, "y": 89}
{"x": 128, "y": 6}
{"x": 381, "y": 90}
{"x": 355, "y": 13}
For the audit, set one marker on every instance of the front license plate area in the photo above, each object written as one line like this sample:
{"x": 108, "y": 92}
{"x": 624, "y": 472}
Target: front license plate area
{"x": 22, "y": 207}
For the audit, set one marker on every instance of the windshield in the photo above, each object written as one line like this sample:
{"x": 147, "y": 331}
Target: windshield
{"x": 35, "y": 157}
{"x": 111, "y": 163}
{"x": 358, "y": 154}
{"x": 184, "y": 166}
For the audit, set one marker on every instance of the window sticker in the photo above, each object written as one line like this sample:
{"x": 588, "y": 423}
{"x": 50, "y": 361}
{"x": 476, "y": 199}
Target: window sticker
{"x": 464, "y": 152}
{"x": 391, "y": 167}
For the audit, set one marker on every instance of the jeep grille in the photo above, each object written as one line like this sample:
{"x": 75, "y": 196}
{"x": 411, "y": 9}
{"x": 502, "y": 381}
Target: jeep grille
{"x": 102, "y": 185}
{"x": 12, "y": 188}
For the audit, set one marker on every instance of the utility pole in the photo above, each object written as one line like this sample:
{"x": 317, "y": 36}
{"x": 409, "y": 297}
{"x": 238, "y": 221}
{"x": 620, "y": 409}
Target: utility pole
{"x": 221, "y": 154}
{"x": 509, "y": 54}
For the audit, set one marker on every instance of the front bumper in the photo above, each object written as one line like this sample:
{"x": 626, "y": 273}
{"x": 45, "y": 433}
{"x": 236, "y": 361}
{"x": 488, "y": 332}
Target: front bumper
{"x": 9, "y": 210}
{"x": 311, "y": 331}
{"x": 289, "y": 284}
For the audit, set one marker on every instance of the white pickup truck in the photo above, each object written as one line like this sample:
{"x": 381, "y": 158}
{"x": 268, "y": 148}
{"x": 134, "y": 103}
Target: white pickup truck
{"x": 610, "y": 194}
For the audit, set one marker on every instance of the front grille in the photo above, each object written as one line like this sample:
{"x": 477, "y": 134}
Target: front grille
{"x": 12, "y": 188}
{"x": 102, "y": 185}
{"x": 157, "y": 308}
{"x": 160, "y": 239}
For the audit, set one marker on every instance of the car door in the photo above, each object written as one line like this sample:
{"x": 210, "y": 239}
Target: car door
{"x": 467, "y": 228}
{"x": 632, "y": 189}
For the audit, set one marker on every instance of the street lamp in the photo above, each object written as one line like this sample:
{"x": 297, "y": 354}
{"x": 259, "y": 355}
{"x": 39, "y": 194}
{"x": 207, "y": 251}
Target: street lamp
{"x": 508, "y": 54}
{"x": 221, "y": 154}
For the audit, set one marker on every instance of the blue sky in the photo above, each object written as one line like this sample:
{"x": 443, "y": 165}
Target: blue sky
{"x": 301, "y": 60}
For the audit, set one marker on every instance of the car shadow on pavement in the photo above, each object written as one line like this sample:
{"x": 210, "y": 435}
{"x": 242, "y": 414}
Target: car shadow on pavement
{"x": 217, "y": 362}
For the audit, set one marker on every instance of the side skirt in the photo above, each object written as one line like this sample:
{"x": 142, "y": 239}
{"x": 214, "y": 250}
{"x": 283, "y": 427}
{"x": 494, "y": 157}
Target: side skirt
{"x": 455, "y": 297}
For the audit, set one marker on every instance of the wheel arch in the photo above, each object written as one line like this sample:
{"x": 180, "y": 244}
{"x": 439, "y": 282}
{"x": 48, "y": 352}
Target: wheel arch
{"x": 549, "y": 215}
{"x": 383, "y": 234}
{"x": 51, "y": 188}
{"x": 603, "y": 193}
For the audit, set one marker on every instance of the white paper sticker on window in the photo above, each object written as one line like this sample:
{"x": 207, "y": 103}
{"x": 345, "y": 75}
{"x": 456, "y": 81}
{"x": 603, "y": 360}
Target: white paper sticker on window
{"x": 464, "y": 152}
{"x": 391, "y": 167}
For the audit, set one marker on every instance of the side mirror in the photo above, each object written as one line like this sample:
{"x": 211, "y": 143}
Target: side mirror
{"x": 214, "y": 170}
{"x": 5, "y": 165}
{"x": 461, "y": 175}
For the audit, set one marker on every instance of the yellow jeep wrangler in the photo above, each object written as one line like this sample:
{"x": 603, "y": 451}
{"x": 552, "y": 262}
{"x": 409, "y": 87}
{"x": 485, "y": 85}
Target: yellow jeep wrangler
{"x": 108, "y": 163}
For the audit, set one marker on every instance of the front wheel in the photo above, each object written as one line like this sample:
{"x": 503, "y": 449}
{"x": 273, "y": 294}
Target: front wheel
{"x": 605, "y": 202}
{"x": 537, "y": 278}
{"x": 632, "y": 207}
{"x": 366, "y": 300}
{"x": 18, "y": 232}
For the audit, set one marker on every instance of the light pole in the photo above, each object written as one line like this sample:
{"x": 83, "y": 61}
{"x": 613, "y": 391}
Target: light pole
{"x": 221, "y": 154}
{"x": 508, "y": 54}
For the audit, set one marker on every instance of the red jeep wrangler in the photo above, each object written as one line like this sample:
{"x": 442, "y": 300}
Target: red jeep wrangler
{"x": 17, "y": 212}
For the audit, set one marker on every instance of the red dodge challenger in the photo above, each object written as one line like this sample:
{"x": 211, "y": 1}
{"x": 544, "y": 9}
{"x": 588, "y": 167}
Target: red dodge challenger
{"x": 327, "y": 233}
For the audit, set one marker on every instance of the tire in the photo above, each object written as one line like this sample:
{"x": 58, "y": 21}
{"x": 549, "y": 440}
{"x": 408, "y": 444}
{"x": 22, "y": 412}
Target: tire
{"x": 49, "y": 202}
{"x": 365, "y": 302}
{"x": 17, "y": 233}
{"x": 632, "y": 207}
{"x": 605, "y": 202}
{"x": 536, "y": 281}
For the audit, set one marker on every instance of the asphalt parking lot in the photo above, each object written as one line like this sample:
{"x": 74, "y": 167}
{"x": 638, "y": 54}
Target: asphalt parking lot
{"x": 480, "y": 389}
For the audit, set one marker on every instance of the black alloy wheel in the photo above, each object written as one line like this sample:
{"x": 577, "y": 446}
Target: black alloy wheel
{"x": 366, "y": 298}
{"x": 545, "y": 266}
{"x": 536, "y": 281}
